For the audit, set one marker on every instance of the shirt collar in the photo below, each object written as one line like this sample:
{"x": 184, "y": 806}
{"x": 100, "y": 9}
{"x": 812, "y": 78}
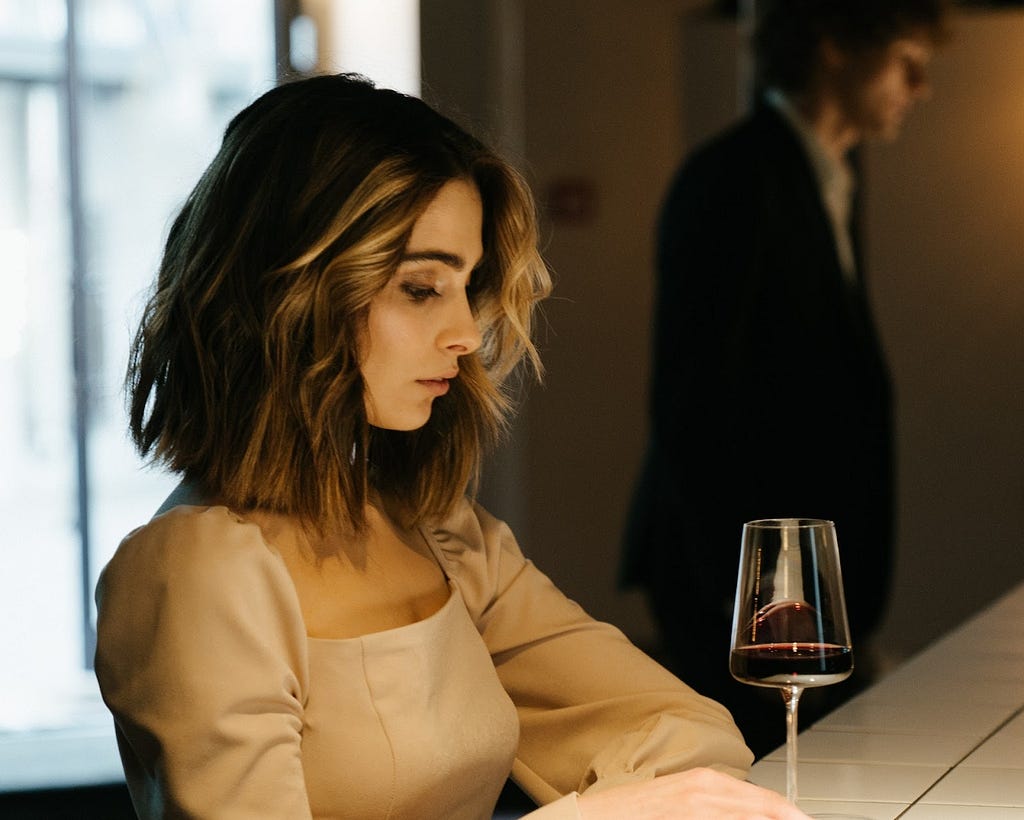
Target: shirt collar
{"x": 834, "y": 178}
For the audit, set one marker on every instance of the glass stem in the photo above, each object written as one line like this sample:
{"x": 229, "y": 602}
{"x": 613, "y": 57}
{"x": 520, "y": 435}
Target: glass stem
{"x": 791, "y": 695}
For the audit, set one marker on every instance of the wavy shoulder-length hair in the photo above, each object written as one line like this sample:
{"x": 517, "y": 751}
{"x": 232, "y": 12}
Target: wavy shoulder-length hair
{"x": 244, "y": 373}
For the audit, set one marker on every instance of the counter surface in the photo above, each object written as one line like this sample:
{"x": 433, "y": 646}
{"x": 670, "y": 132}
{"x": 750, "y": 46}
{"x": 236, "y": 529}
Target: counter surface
{"x": 940, "y": 738}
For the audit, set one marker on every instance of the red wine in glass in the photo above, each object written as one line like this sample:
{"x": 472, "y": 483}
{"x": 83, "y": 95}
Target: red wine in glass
{"x": 789, "y": 619}
{"x": 788, "y": 650}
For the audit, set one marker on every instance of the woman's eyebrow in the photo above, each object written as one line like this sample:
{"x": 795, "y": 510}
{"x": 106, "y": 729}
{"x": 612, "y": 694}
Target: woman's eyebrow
{"x": 451, "y": 260}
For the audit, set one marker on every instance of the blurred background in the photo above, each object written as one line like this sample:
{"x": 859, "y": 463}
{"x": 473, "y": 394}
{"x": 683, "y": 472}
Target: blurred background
{"x": 109, "y": 109}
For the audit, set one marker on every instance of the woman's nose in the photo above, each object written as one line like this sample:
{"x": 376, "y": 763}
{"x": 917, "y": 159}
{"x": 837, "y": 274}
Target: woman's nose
{"x": 462, "y": 335}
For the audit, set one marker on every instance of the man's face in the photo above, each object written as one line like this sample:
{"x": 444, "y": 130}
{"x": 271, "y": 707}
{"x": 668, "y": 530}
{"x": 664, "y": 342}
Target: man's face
{"x": 878, "y": 88}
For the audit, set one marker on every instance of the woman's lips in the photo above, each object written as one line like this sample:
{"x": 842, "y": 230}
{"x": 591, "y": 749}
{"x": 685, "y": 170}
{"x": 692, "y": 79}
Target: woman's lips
{"x": 436, "y": 386}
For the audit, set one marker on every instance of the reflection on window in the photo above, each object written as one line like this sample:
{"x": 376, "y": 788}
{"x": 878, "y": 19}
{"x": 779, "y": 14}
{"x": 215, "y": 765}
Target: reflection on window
{"x": 156, "y": 82}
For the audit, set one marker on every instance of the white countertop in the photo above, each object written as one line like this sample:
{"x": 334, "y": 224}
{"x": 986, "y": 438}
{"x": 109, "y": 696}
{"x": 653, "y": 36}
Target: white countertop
{"x": 940, "y": 738}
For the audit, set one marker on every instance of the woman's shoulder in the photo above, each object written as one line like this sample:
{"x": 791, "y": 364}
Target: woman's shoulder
{"x": 189, "y": 544}
{"x": 194, "y": 595}
{"x": 469, "y": 532}
{"x": 476, "y": 549}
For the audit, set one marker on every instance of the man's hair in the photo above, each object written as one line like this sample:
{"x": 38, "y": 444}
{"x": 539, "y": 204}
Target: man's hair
{"x": 244, "y": 373}
{"x": 788, "y": 33}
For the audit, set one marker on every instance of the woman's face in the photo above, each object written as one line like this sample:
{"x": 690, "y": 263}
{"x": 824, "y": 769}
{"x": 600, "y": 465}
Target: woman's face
{"x": 421, "y": 323}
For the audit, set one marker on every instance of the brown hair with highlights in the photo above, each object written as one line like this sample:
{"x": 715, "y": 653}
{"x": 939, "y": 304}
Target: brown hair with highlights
{"x": 244, "y": 373}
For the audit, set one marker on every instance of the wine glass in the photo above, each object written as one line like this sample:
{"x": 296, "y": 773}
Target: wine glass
{"x": 789, "y": 626}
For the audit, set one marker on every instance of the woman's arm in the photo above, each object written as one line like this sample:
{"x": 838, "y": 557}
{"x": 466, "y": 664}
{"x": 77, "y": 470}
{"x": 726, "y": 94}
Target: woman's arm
{"x": 597, "y": 716}
{"x": 201, "y": 659}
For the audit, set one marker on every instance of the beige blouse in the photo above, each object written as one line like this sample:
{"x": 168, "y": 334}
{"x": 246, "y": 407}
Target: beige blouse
{"x": 225, "y": 708}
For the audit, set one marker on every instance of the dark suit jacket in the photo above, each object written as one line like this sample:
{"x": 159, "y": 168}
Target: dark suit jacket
{"x": 770, "y": 394}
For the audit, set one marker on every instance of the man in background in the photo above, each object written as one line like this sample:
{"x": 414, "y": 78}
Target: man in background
{"x": 770, "y": 394}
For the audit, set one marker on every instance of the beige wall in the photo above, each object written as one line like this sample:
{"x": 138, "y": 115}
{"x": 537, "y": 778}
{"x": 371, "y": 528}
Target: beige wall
{"x": 603, "y": 85}
{"x": 945, "y": 229}
{"x": 602, "y": 106}
{"x": 600, "y": 102}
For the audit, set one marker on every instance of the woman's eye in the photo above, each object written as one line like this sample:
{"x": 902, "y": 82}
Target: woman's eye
{"x": 418, "y": 293}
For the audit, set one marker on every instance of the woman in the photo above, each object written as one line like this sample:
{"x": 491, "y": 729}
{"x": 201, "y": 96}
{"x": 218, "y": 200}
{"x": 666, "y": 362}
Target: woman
{"x": 319, "y": 622}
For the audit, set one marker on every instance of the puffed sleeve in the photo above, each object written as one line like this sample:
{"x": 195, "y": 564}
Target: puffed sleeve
{"x": 594, "y": 710}
{"x": 201, "y": 658}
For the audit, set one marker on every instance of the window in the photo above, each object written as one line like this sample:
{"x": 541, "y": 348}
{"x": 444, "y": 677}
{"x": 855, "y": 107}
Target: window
{"x": 90, "y": 181}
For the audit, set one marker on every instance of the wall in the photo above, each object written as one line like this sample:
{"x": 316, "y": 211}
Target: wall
{"x": 604, "y": 87}
{"x": 604, "y": 110}
{"x": 601, "y": 107}
{"x": 945, "y": 229}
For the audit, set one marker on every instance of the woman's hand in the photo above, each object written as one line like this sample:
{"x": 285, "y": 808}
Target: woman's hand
{"x": 696, "y": 793}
